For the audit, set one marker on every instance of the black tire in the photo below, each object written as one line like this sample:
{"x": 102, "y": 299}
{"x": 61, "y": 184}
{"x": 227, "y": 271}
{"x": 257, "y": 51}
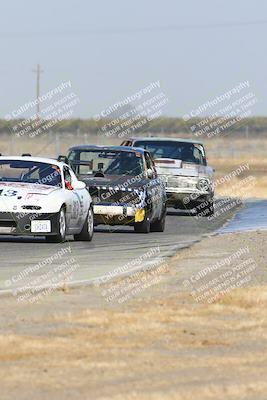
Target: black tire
{"x": 142, "y": 227}
{"x": 210, "y": 209}
{"x": 159, "y": 224}
{"x": 207, "y": 211}
{"x": 61, "y": 221}
{"x": 87, "y": 232}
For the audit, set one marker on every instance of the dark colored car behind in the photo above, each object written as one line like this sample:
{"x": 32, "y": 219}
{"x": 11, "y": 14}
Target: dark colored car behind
{"x": 124, "y": 186}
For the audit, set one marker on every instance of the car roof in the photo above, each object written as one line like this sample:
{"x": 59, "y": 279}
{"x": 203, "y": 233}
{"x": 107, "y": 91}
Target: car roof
{"x": 169, "y": 139}
{"x": 114, "y": 148}
{"x": 37, "y": 159}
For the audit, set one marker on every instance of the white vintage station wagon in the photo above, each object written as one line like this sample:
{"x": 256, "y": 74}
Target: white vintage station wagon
{"x": 182, "y": 164}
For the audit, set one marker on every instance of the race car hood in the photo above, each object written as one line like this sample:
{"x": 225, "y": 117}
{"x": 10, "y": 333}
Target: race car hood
{"x": 116, "y": 189}
{"x": 169, "y": 166}
{"x": 15, "y": 189}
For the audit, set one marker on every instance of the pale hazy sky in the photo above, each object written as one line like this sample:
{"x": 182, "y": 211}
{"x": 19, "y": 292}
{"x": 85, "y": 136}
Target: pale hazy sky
{"x": 109, "y": 49}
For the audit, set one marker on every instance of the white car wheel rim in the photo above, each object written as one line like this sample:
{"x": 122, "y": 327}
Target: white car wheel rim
{"x": 90, "y": 222}
{"x": 62, "y": 223}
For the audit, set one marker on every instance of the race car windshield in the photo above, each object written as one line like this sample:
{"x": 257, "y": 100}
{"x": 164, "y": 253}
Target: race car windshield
{"x": 30, "y": 172}
{"x": 187, "y": 152}
{"x": 107, "y": 162}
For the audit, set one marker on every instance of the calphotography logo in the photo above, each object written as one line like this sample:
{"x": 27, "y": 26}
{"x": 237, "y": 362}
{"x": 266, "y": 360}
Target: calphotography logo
{"x": 57, "y": 105}
{"x": 35, "y": 282}
{"x": 215, "y": 281}
{"x": 222, "y": 113}
{"x": 145, "y": 271}
{"x": 133, "y": 113}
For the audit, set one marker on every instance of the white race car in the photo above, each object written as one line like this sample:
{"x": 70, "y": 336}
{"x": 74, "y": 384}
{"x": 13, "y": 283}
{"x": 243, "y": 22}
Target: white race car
{"x": 182, "y": 164}
{"x": 43, "y": 197}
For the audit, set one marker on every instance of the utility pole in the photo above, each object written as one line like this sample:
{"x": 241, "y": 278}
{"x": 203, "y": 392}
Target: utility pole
{"x": 38, "y": 72}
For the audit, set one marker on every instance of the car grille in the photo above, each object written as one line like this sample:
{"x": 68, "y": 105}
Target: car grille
{"x": 180, "y": 182}
{"x": 113, "y": 196}
{"x": 31, "y": 207}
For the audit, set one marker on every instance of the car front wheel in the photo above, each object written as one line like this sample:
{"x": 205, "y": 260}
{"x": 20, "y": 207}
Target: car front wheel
{"x": 61, "y": 221}
{"x": 142, "y": 227}
{"x": 159, "y": 224}
{"x": 87, "y": 231}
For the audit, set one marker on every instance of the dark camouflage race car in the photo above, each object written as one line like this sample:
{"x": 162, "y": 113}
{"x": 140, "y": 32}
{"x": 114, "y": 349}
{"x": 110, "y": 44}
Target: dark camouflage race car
{"x": 123, "y": 184}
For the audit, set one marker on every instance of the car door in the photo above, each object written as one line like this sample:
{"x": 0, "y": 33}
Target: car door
{"x": 71, "y": 199}
{"x": 83, "y": 198}
{"x": 155, "y": 187}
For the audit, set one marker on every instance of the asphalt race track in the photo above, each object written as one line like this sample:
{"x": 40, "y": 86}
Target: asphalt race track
{"x": 111, "y": 248}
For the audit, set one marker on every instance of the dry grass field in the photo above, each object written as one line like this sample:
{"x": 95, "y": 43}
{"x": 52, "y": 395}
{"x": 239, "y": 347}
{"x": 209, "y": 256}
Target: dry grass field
{"x": 160, "y": 345}
{"x": 250, "y": 183}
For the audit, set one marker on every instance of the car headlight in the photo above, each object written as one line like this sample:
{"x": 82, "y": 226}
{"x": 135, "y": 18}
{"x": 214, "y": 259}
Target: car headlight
{"x": 204, "y": 185}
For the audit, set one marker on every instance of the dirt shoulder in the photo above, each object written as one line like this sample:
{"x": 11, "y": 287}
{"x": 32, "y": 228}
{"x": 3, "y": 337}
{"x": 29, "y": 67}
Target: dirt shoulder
{"x": 164, "y": 341}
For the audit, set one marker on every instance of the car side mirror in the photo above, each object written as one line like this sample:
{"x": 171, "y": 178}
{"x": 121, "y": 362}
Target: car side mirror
{"x": 150, "y": 173}
{"x": 62, "y": 158}
{"x": 78, "y": 185}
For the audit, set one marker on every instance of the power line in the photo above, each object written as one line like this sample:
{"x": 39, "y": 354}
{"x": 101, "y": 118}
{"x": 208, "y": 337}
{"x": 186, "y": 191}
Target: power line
{"x": 118, "y": 31}
{"x": 38, "y": 72}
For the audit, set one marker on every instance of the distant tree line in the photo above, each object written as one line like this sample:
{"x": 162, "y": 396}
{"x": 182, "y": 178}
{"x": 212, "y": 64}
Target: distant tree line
{"x": 165, "y": 125}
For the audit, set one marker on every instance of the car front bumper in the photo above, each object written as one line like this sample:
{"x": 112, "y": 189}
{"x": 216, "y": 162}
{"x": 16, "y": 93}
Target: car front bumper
{"x": 186, "y": 197}
{"x": 27, "y": 224}
{"x": 118, "y": 215}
